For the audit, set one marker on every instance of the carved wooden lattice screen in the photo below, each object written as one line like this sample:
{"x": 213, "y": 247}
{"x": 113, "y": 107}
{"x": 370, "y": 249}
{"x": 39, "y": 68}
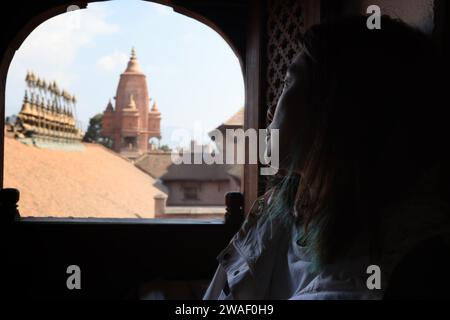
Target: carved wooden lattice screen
{"x": 285, "y": 27}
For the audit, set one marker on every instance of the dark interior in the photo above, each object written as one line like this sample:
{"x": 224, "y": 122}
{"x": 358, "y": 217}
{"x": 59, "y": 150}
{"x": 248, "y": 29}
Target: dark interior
{"x": 127, "y": 259}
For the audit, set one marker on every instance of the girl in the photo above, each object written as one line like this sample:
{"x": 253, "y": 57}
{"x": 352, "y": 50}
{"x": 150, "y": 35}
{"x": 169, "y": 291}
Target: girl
{"x": 363, "y": 194}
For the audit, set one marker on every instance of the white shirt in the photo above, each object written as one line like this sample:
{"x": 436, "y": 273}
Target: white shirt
{"x": 263, "y": 262}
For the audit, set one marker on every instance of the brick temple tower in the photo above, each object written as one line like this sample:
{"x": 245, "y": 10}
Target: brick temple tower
{"x": 131, "y": 123}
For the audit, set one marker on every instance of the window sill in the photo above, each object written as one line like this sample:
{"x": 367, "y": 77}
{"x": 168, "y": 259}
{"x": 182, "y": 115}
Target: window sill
{"x": 119, "y": 221}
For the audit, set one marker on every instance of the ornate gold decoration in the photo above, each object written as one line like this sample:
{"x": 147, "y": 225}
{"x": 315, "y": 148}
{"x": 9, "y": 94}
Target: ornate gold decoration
{"x": 47, "y": 112}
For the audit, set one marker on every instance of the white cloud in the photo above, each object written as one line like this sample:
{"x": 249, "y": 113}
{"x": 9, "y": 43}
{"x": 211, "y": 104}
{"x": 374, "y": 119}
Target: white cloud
{"x": 52, "y": 48}
{"x": 112, "y": 62}
{"x": 54, "y": 45}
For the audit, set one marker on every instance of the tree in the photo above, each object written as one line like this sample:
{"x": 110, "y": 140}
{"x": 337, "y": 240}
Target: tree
{"x": 165, "y": 148}
{"x": 93, "y": 133}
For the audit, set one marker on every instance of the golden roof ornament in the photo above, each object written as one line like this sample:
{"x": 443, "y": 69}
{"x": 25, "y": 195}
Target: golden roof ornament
{"x": 26, "y": 105}
{"x": 154, "y": 107}
{"x": 56, "y": 88}
{"x": 33, "y": 109}
{"x": 42, "y": 107}
{"x": 47, "y": 109}
{"x": 133, "y": 64}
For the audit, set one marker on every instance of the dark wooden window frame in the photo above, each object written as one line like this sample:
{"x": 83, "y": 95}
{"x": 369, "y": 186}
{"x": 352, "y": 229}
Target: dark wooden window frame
{"x": 197, "y": 10}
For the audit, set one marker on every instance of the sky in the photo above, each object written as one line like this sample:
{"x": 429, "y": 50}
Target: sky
{"x": 192, "y": 73}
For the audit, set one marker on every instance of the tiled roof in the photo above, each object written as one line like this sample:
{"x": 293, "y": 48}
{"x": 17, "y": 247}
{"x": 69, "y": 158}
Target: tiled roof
{"x": 155, "y": 163}
{"x": 92, "y": 183}
{"x": 196, "y": 172}
{"x": 237, "y": 119}
{"x": 159, "y": 165}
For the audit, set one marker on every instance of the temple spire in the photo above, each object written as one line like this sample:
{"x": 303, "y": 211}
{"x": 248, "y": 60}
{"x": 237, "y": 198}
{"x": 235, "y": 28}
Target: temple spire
{"x": 154, "y": 107}
{"x": 131, "y": 104}
{"x": 109, "y": 107}
{"x": 133, "y": 64}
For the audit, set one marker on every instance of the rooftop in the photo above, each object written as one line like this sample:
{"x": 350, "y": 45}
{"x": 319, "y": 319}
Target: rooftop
{"x": 197, "y": 172}
{"x": 236, "y": 120}
{"x": 154, "y": 163}
{"x": 94, "y": 182}
{"x": 159, "y": 165}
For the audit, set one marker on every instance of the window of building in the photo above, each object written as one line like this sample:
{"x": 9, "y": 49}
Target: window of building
{"x": 190, "y": 193}
{"x": 95, "y": 101}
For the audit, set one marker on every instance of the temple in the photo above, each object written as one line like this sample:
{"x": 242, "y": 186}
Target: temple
{"x": 131, "y": 123}
{"x": 47, "y": 117}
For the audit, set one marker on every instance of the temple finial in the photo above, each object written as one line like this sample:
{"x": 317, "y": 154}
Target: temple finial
{"x": 133, "y": 64}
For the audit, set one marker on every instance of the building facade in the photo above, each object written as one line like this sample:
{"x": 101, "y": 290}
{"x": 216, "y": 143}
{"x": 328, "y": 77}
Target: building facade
{"x": 131, "y": 123}
{"x": 195, "y": 185}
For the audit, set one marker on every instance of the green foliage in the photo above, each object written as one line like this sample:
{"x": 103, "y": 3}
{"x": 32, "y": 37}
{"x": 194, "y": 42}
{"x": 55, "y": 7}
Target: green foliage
{"x": 165, "y": 148}
{"x": 93, "y": 133}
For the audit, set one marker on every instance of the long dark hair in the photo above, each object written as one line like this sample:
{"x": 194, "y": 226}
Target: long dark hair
{"x": 377, "y": 126}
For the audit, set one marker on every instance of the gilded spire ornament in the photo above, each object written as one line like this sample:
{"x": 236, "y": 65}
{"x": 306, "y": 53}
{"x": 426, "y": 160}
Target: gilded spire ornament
{"x": 46, "y": 114}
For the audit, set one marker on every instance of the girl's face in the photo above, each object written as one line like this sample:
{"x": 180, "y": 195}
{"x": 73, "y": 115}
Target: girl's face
{"x": 290, "y": 114}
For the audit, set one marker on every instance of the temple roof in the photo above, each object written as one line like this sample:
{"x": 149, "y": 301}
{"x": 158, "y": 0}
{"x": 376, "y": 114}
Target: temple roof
{"x": 109, "y": 107}
{"x": 133, "y": 63}
{"x": 131, "y": 106}
{"x": 154, "y": 107}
